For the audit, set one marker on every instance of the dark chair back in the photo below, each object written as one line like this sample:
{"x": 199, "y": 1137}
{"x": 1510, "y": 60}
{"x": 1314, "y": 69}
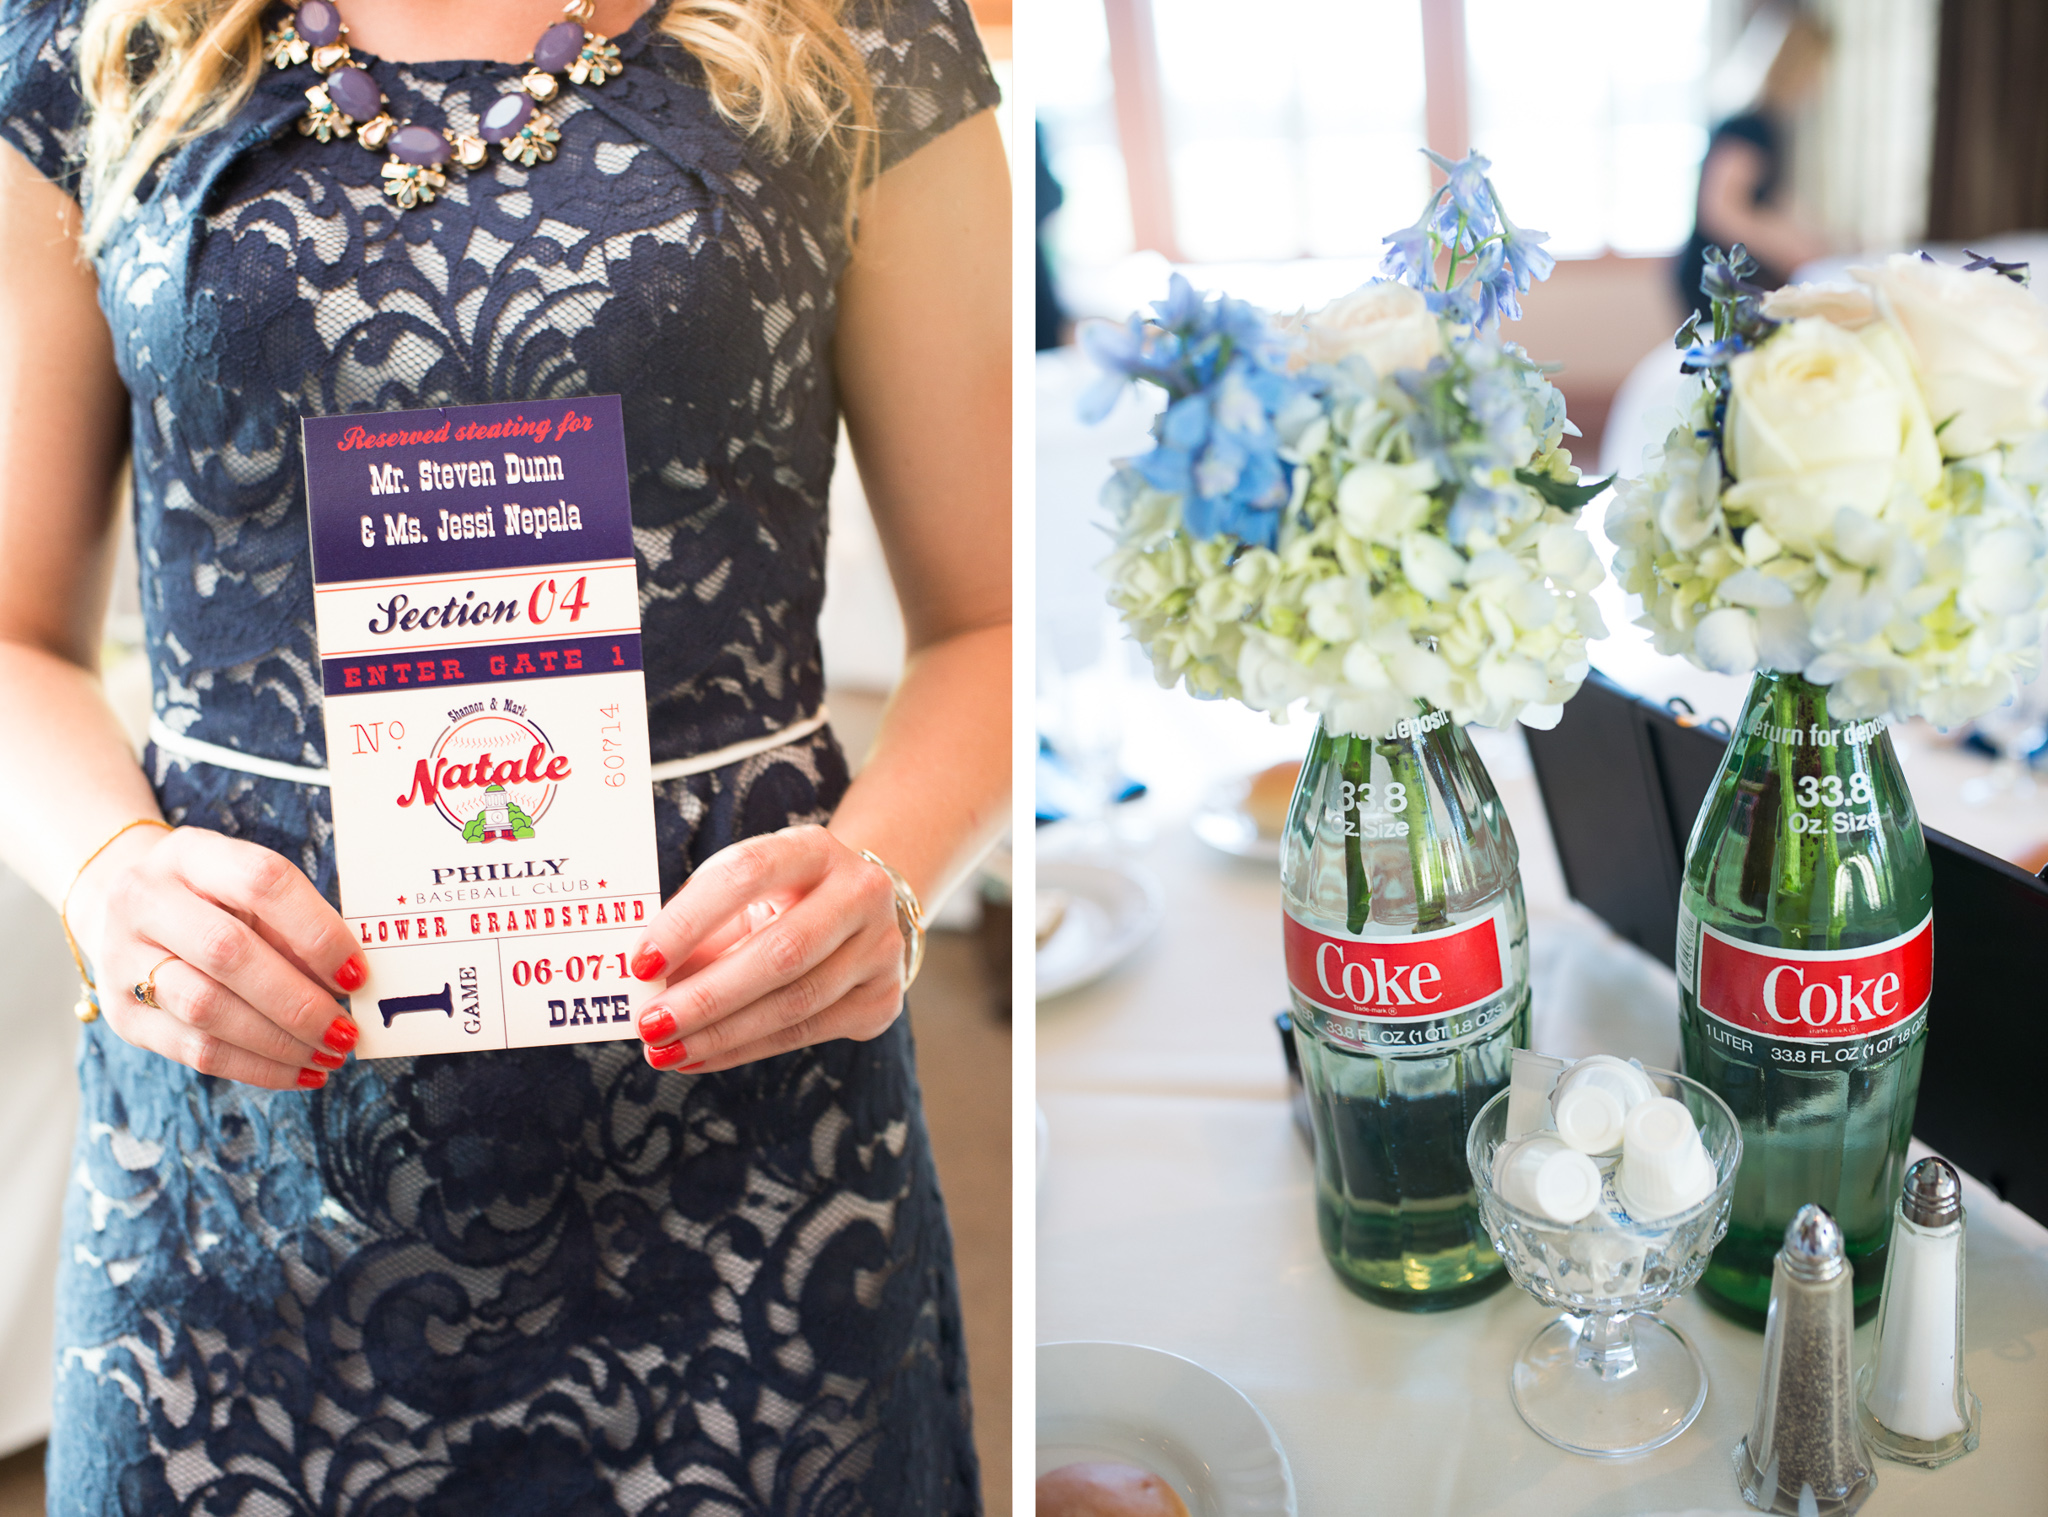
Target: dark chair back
{"x": 1622, "y": 781}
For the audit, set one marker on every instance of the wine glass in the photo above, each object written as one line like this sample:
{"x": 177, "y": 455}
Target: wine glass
{"x": 1608, "y": 1377}
{"x": 1082, "y": 713}
{"x": 2014, "y": 730}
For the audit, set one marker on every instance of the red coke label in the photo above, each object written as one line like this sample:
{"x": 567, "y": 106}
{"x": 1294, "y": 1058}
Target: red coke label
{"x": 1433, "y": 987}
{"x": 1824, "y": 996}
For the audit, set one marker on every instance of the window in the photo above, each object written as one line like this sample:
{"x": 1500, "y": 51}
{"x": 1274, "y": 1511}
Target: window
{"x": 1077, "y": 109}
{"x": 1292, "y": 129}
{"x": 1594, "y": 114}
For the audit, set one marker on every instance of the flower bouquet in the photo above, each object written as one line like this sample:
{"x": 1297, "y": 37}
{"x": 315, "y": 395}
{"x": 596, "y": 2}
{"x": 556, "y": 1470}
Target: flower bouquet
{"x": 1855, "y": 491}
{"x": 1365, "y": 508}
{"x": 1852, "y": 507}
{"x": 1370, "y": 511}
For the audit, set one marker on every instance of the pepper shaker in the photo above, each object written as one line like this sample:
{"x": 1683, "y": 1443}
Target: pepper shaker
{"x": 1912, "y": 1401}
{"x": 1805, "y": 1453}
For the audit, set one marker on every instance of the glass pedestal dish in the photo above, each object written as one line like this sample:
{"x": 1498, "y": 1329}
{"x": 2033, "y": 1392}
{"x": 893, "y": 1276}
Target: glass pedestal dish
{"x": 1607, "y": 1377}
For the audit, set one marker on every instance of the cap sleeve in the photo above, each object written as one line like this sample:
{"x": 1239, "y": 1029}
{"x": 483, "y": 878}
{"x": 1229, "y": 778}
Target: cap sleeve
{"x": 929, "y": 70}
{"x": 42, "y": 113}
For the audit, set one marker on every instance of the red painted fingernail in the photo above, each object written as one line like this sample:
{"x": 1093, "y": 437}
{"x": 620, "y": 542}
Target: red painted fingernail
{"x": 352, "y": 973}
{"x": 648, "y": 963}
{"x": 312, "y": 1079}
{"x": 657, "y": 1025}
{"x": 698, "y": 1065}
{"x": 666, "y": 1058}
{"x": 329, "y": 1060}
{"x": 341, "y": 1035}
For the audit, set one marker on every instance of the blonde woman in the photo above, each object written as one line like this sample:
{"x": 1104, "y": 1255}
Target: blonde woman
{"x": 705, "y": 1273}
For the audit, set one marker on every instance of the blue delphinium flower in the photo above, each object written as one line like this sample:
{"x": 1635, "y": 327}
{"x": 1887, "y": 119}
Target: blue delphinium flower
{"x": 1224, "y": 368}
{"x": 1493, "y": 261}
{"x": 1523, "y": 248}
{"x": 1134, "y": 350}
{"x": 1470, "y": 196}
{"x": 1411, "y": 257}
{"x": 1223, "y": 365}
{"x": 1492, "y": 282}
{"x": 1460, "y": 303}
{"x": 1190, "y": 339}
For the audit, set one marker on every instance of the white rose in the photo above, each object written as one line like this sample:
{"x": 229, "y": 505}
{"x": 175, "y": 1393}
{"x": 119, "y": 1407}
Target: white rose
{"x": 1980, "y": 343}
{"x": 1386, "y": 323}
{"x": 1378, "y": 502}
{"x": 1814, "y": 397}
{"x": 1800, "y": 510}
{"x": 1849, "y": 309}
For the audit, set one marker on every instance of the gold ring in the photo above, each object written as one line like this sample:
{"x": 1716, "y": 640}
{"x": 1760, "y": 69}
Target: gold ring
{"x": 144, "y": 991}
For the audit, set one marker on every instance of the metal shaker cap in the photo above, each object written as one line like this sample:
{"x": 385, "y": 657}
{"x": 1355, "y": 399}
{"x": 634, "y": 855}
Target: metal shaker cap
{"x": 1813, "y": 1245}
{"x": 1934, "y": 1194}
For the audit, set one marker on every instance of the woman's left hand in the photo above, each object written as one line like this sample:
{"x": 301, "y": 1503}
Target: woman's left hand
{"x": 775, "y": 943}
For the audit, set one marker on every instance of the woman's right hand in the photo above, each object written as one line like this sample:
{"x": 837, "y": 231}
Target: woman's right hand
{"x": 256, "y": 956}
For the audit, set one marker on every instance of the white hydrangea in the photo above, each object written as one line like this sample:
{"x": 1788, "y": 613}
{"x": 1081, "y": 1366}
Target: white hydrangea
{"x": 1364, "y": 607}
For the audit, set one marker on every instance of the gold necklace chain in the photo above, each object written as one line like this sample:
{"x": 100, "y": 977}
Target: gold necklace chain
{"x": 348, "y": 101}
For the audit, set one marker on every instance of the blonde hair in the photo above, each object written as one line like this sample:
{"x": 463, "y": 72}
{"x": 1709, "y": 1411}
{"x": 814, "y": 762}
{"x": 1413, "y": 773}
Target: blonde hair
{"x": 1798, "y": 60}
{"x": 158, "y": 73}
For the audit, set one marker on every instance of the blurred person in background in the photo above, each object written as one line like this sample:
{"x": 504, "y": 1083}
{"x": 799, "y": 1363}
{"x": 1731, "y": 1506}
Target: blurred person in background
{"x": 1052, "y": 322}
{"x": 1742, "y": 194}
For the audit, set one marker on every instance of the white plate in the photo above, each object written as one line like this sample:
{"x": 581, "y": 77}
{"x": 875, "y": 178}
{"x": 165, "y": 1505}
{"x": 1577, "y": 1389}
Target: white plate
{"x": 1225, "y": 825}
{"x": 1143, "y": 1406}
{"x": 1111, "y": 910}
{"x": 1228, "y": 828}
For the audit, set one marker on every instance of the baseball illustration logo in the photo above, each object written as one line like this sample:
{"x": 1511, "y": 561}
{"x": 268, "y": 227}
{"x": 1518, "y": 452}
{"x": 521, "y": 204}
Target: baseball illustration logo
{"x": 492, "y": 777}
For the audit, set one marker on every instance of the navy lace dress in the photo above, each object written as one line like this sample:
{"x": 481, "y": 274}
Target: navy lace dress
{"x": 546, "y": 1281}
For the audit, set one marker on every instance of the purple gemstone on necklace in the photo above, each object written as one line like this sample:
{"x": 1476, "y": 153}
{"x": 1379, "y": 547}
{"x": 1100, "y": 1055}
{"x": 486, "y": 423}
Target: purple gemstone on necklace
{"x": 318, "y": 22}
{"x": 558, "y": 46}
{"x": 421, "y": 145}
{"x": 507, "y": 114}
{"x": 355, "y": 92}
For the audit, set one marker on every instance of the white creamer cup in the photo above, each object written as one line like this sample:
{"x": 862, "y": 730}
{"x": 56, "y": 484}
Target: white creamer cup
{"x": 1542, "y": 1175}
{"x": 1664, "y": 1166}
{"x": 1593, "y": 1098}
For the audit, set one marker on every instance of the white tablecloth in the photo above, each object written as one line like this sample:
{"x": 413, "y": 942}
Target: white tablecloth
{"x": 1175, "y": 1208}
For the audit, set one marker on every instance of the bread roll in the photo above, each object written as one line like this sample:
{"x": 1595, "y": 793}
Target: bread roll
{"x": 1105, "y": 1489}
{"x": 1266, "y": 797}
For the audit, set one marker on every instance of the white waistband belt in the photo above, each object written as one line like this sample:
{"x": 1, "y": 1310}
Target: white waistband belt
{"x": 298, "y": 774}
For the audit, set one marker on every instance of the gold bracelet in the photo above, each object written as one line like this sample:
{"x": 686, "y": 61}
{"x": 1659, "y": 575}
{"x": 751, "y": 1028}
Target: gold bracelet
{"x": 909, "y": 919}
{"x": 88, "y": 1007}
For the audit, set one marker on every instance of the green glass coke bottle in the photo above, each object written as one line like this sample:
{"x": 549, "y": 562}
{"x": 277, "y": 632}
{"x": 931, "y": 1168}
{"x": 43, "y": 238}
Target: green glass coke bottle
{"x": 1805, "y": 966}
{"x": 1408, "y": 970}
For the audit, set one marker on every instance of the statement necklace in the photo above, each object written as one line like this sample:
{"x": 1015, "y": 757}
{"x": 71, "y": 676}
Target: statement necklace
{"x": 349, "y": 101}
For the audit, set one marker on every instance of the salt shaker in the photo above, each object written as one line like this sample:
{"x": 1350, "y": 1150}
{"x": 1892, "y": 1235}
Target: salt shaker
{"x": 1805, "y": 1454}
{"x": 1911, "y": 1400}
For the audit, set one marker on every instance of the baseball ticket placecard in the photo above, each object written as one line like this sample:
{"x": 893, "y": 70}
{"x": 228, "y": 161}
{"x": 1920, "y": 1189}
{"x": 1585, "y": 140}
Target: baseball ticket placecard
{"x": 478, "y": 618}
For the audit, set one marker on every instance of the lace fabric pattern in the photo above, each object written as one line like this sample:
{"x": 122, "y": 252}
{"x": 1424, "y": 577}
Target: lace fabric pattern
{"x": 539, "y": 1281}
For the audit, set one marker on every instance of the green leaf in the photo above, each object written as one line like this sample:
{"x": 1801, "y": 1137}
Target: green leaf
{"x": 1557, "y": 493}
